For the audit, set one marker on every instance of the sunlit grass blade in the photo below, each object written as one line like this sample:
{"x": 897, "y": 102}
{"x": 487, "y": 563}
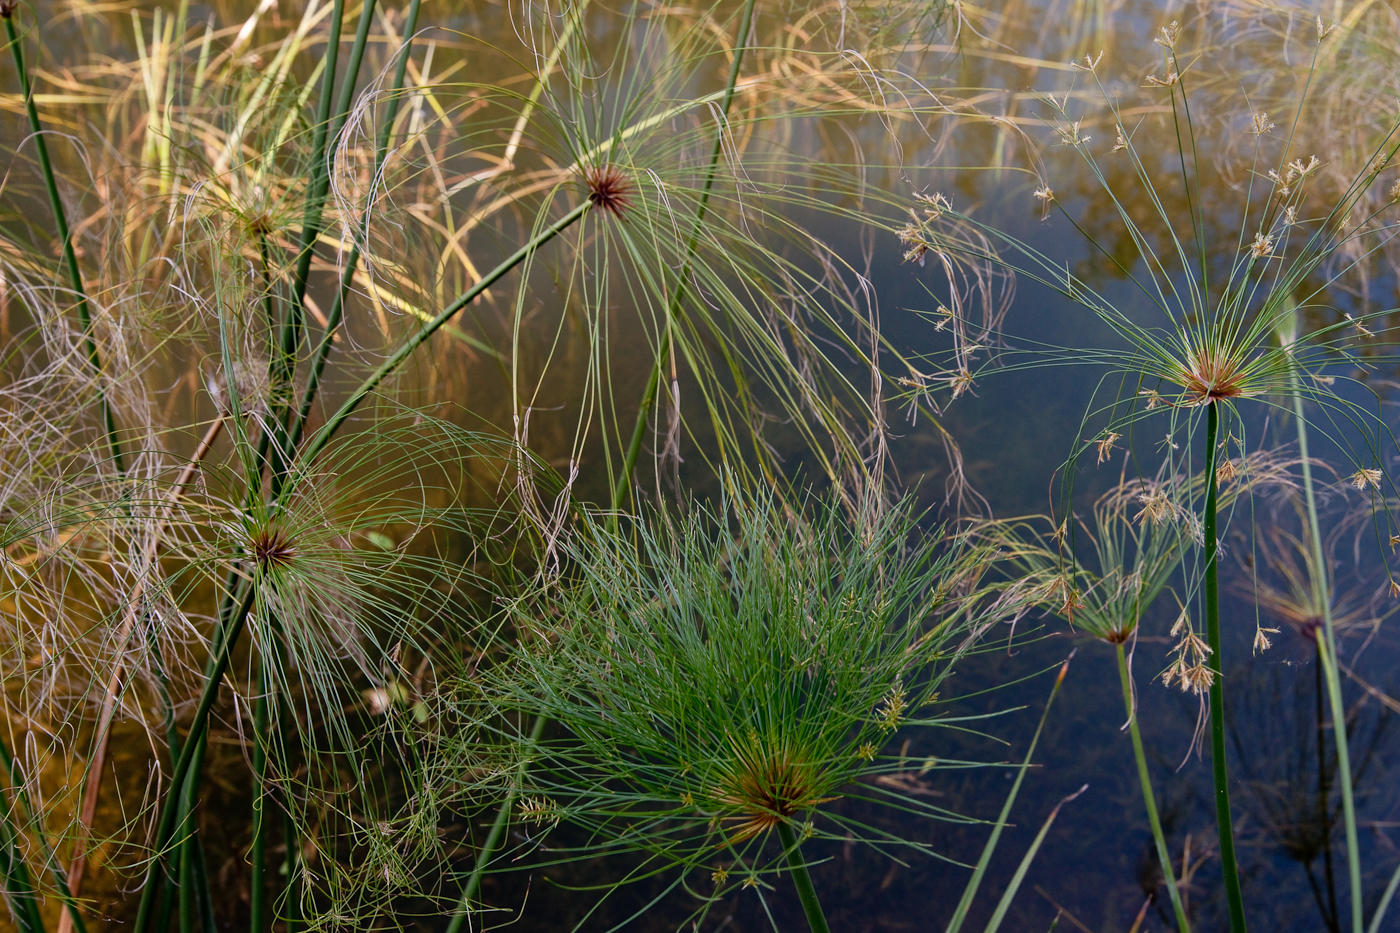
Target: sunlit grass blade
{"x": 969, "y": 894}
{"x": 1014, "y": 885}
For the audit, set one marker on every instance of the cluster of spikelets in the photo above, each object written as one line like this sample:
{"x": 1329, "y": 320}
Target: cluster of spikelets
{"x": 719, "y": 676}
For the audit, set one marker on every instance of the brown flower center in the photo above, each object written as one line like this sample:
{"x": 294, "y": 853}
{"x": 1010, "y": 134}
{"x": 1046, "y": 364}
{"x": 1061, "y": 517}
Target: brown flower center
{"x": 608, "y": 188}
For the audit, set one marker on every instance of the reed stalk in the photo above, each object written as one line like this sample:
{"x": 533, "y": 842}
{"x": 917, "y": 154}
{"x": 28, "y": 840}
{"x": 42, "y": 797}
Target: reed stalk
{"x": 19, "y": 888}
{"x": 285, "y": 434}
{"x": 969, "y": 893}
{"x": 802, "y": 879}
{"x": 194, "y": 872}
{"x": 1149, "y": 801}
{"x": 322, "y": 351}
{"x": 319, "y": 184}
{"x": 1220, "y": 773}
{"x": 173, "y": 811}
{"x": 262, "y": 798}
{"x": 678, "y": 289}
{"x": 1327, "y": 657}
{"x": 274, "y": 443}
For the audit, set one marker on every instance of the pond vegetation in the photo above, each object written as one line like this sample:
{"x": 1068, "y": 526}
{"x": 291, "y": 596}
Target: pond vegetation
{"x": 634, "y": 466}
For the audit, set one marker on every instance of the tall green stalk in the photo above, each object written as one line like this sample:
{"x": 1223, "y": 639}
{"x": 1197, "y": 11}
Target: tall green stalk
{"x": 1327, "y": 658}
{"x": 19, "y": 886}
{"x": 322, "y": 351}
{"x": 678, "y": 291}
{"x": 970, "y": 889}
{"x": 178, "y": 807}
{"x": 280, "y": 433}
{"x": 194, "y": 875}
{"x": 60, "y": 880}
{"x": 1149, "y": 802}
{"x": 1224, "y": 824}
{"x": 20, "y": 891}
{"x": 60, "y": 219}
{"x": 494, "y": 835}
{"x": 173, "y": 811}
{"x": 317, "y": 188}
{"x": 262, "y": 722}
{"x": 329, "y": 121}
{"x": 802, "y": 879}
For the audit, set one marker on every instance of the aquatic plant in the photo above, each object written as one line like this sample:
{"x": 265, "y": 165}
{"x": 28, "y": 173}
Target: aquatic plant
{"x": 299, "y": 554}
{"x": 1201, "y": 341}
{"x": 721, "y": 678}
{"x": 228, "y": 537}
{"x": 1105, "y": 575}
{"x": 1106, "y": 597}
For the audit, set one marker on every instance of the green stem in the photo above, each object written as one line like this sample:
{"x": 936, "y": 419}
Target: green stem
{"x": 19, "y": 888}
{"x": 193, "y": 879}
{"x": 1384, "y": 904}
{"x": 1324, "y": 798}
{"x": 279, "y": 374}
{"x": 328, "y": 126}
{"x": 271, "y": 658}
{"x": 194, "y": 872}
{"x": 337, "y": 312}
{"x": 70, "y": 258}
{"x": 802, "y": 879}
{"x": 1145, "y": 781}
{"x": 316, "y": 192}
{"x": 174, "y": 807}
{"x": 262, "y": 721}
{"x": 11, "y": 770}
{"x": 494, "y": 835}
{"x": 185, "y": 890}
{"x": 678, "y": 292}
{"x": 1224, "y": 825}
{"x": 1327, "y": 657}
{"x": 329, "y": 121}
{"x": 395, "y": 360}
{"x": 978, "y": 873}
